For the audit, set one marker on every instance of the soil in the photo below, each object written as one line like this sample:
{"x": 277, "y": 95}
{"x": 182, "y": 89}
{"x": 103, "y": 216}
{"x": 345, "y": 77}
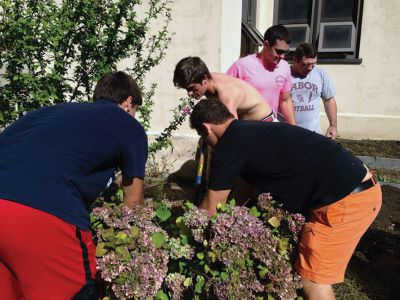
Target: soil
{"x": 373, "y": 272}
{"x": 375, "y": 265}
{"x": 388, "y": 149}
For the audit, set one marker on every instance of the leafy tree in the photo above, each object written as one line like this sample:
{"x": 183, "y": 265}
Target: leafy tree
{"x": 54, "y": 51}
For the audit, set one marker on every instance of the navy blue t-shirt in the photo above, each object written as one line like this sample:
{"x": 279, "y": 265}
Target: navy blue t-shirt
{"x": 300, "y": 168}
{"x": 58, "y": 159}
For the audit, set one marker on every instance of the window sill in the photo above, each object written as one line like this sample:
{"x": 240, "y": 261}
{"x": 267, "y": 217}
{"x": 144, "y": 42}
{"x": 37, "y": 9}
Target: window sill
{"x": 339, "y": 61}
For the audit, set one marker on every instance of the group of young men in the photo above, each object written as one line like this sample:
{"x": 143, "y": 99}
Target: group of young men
{"x": 55, "y": 161}
{"x": 293, "y": 92}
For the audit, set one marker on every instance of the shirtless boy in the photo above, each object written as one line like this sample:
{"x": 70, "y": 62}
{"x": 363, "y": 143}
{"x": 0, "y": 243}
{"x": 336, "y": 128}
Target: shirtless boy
{"x": 242, "y": 99}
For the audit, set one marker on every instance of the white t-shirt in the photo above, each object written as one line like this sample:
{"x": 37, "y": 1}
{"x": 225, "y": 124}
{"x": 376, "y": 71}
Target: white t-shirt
{"x": 307, "y": 93}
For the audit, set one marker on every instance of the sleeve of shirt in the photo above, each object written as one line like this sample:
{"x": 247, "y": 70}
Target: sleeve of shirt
{"x": 328, "y": 89}
{"x": 226, "y": 166}
{"x": 287, "y": 87}
{"x": 233, "y": 70}
{"x": 134, "y": 157}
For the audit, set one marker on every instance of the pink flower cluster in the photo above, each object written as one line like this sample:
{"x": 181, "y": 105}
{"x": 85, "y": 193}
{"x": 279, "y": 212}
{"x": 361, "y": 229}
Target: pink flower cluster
{"x": 142, "y": 275}
{"x": 197, "y": 220}
{"x": 182, "y": 253}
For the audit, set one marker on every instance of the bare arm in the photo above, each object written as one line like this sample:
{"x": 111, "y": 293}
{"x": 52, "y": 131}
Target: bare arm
{"x": 133, "y": 191}
{"x": 286, "y": 106}
{"x": 212, "y": 199}
{"x": 331, "y": 113}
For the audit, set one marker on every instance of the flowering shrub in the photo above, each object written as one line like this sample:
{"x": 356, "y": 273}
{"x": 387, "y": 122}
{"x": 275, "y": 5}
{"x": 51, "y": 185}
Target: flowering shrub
{"x": 174, "y": 250}
{"x": 180, "y": 113}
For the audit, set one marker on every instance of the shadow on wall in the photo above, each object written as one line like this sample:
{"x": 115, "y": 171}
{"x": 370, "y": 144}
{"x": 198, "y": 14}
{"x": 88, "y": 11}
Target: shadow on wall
{"x": 186, "y": 173}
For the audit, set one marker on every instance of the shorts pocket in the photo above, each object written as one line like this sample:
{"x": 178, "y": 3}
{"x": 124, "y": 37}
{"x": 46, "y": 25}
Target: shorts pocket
{"x": 309, "y": 255}
{"x": 336, "y": 213}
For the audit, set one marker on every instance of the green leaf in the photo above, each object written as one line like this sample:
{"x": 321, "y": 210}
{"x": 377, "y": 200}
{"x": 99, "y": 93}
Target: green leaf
{"x": 200, "y": 255}
{"x": 262, "y": 272}
{"x": 135, "y": 231}
{"x": 222, "y": 207}
{"x": 212, "y": 256}
{"x": 189, "y": 205}
{"x": 187, "y": 282}
{"x": 161, "y": 295}
{"x": 120, "y": 194}
{"x": 122, "y": 236}
{"x": 274, "y": 221}
{"x": 254, "y": 212}
{"x": 123, "y": 252}
{"x": 270, "y": 297}
{"x": 200, "y": 281}
{"x": 224, "y": 276}
{"x": 108, "y": 234}
{"x": 232, "y": 202}
{"x": 184, "y": 239}
{"x": 269, "y": 287}
{"x": 283, "y": 244}
{"x": 206, "y": 269}
{"x": 121, "y": 280}
{"x": 214, "y": 273}
{"x": 163, "y": 214}
{"x": 100, "y": 251}
{"x": 158, "y": 239}
{"x": 182, "y": 266}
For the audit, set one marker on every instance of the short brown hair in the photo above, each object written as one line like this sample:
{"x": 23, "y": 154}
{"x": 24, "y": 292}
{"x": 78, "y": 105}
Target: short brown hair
{"x": 190, "y": 70}
{"x": 209, "y": 110}
{"x": 305, "y": 50}
{"x": 117, "y": 87}
{"x": 277, "y": 32}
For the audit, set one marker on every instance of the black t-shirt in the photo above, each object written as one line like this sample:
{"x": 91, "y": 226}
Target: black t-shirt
{"x": 300, "y": 168}
{"x": 58, "y": 159}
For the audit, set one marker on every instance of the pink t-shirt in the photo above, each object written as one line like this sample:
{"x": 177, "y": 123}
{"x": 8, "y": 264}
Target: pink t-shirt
{"x": 270, "y": 84}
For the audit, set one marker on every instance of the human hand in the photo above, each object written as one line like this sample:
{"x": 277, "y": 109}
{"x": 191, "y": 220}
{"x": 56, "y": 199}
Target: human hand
{"x": 331, "y": 132}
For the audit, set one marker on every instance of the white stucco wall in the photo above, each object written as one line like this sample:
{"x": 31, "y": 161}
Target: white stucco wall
{"x": 209, "y": 29}
{"x": 367, "y": 93}
{"x": 367, "y": 98}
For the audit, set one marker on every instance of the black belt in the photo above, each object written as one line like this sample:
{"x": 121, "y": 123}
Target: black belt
{"x": 365, "y": 185}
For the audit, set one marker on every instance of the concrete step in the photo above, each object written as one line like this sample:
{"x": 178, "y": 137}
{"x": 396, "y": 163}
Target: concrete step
{"x": 381, "y": 162}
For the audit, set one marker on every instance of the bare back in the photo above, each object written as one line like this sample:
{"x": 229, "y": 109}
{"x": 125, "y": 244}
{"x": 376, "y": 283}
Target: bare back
{"x": 240, "y": 97}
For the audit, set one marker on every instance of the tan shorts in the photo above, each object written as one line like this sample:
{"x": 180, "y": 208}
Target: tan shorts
{"x": 332, "y": 233}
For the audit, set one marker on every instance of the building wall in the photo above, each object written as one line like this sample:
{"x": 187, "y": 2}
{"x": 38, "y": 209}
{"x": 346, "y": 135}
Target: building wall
{"x": 367, "y": 93}
{"x": 209, "y": 29}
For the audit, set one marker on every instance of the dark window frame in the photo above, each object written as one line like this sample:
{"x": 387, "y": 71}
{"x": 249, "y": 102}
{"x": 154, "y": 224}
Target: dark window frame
{"x": 315, "y": 8}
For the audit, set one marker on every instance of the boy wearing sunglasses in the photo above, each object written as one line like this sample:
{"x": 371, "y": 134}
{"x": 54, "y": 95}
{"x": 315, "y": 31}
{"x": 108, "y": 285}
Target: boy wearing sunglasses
{"x": 268, "y": 72}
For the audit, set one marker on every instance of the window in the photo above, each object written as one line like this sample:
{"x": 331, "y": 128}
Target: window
{"x": 251, "y": 37}
{"x": 333, "y": 26}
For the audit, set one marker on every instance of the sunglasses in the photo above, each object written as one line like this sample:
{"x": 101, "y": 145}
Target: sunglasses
{"x": 280, "y": 51}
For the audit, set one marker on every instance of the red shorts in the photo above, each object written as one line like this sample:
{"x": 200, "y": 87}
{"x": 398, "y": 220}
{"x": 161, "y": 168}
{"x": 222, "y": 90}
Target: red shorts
{"x": 43, "y": 257}
{"x": 332, "y": 233}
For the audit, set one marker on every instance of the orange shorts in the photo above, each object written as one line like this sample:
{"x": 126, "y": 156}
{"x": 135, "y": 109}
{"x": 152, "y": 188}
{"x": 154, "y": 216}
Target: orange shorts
{"x": 331, "y": 234}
